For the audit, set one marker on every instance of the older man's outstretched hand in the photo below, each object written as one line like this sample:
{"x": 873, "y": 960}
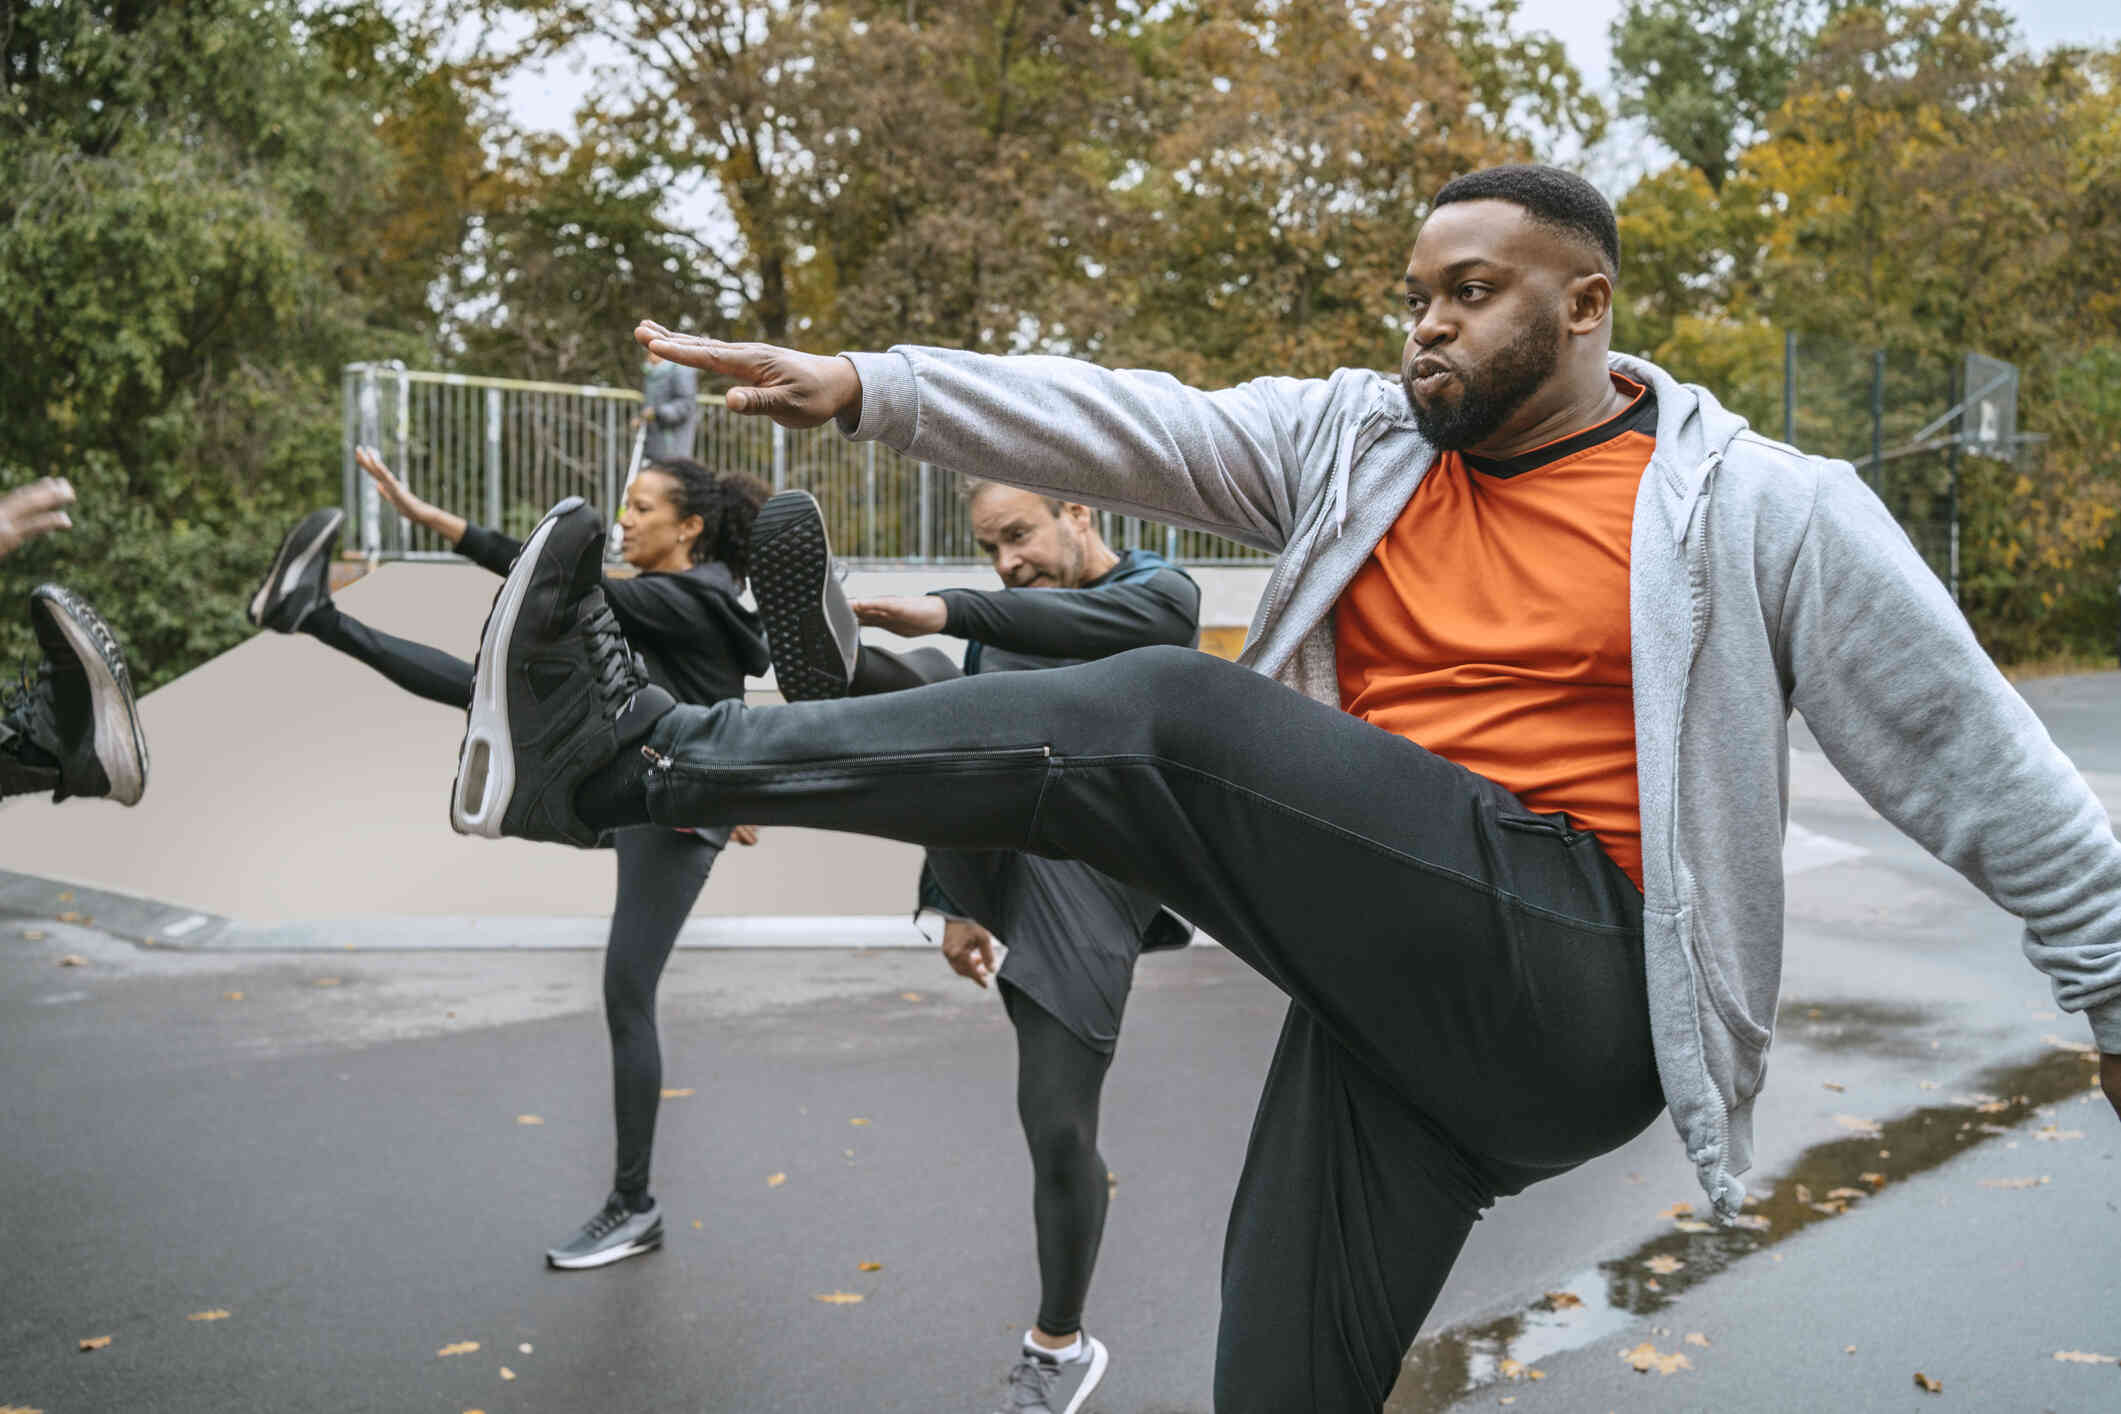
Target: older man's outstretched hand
{"x": 794, "y": 389}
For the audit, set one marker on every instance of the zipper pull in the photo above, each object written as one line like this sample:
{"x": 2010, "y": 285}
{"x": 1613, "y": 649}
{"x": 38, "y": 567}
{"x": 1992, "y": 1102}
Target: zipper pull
{"x": 656, "y": 760}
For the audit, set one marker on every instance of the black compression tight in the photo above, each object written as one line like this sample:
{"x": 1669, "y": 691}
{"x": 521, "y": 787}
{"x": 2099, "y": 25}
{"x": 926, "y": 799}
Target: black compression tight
{"x": 661, "y": 873}
{"x": 1058, "y": 1082}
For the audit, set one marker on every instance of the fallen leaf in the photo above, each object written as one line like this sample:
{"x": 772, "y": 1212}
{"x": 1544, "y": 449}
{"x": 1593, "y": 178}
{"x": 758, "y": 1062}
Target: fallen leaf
{"x": 1993, "y": 1107}
{"x": 857, "y": 1121}
{"x": 775, "y": 1180}
{"x": 1804, "y": 1195}
{"x": 1927, "y": 1084}
{"x": 1924, "y": 1382}
{"x": 529, "y": 1119}
{"x": 18, "y": 1409}
{"x": 1563, "y": 1300}
{"x": 66, "y": 895}
{"x": 71, "y": 917}
{"x": 1506, "y": 1399}
{"x": 1832, "y": 1210}
{"x": 2085, "y": 1357}
{"x": 1653, "y": 1284}
{"x": 698, "y": 1226}
{"x": 95, "y": 1342}
{"x": 73, "y": 959}
{"x": 2053, "y": 1134}
{"x": 1646, "y": 1357}
{"x": 2016, "y": 1182}
{"x": 1677, "y": 1210}
{"x": 231, "y": 996}
{"x": 507, "y": 1374}
{"x": 1697, "y": 1338}
{"x": 1664, "y": 1266}
{"x": 1834, "y": 1085}
{"x": 869, "y": 1266}
{"x": 1848, "y": 1350}
{"x": 1691, "y": 1225}
{"x": 1859, "y": 1125}
{"x": 462, "y": 1347}
{"x": 909, "y": 996}
{"x": 34, "y": 935}
{"x": 1846, "y": 1193}
{"x": 684, "y": 1094}
{"x": 1875, "y": 1180}
{"x": 838, "y": 1298}
{"x": 217, "y": 1314}
{"x": 324, "y": 982}
{"x": 1752, "y": 1222}
{"x": 1511, "y": 1370}
{"x": 524, "y": 1348}
{"x": 2082, "y": 1048}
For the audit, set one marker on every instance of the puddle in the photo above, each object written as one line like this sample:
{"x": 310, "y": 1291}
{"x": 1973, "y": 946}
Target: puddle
{"x": 1827, "y": 1181}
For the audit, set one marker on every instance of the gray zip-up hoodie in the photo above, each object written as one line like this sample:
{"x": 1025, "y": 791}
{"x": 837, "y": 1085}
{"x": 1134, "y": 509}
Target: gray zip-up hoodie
{"x": 1760, "y": 579}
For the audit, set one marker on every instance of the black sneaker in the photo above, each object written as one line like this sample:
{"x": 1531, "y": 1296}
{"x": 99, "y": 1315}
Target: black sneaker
{"x": 810, "y": 630}
{"x": 556, "y": 693}
{"x": 71, "y": 725}
{"x": 300, "y": 577}
{"x": 613, "y": 1235}
{"x": 1040, "y": 1384}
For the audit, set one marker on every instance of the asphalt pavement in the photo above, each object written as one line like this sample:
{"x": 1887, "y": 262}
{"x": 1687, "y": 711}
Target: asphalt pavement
{"x": 281, "y": 1181}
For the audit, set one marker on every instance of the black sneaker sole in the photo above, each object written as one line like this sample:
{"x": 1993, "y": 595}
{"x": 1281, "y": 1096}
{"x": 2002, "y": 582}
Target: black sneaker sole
{"x": 810, "y": 632}
{"x": 486, "y": 776}
{"x": 291, "y": 563}
{"x": 121, "y": 747}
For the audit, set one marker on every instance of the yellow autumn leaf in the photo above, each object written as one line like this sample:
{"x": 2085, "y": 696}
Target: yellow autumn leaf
{"x": 95, "y": 1342}
{"x": 71, "y": 917}
{"x": 34, "y": 935}
{"x": 1664, "y": 1266}
{"x": 66, "y": 895}
{"x": 2052, "y": 1134}
{"x": 1846, "y": 1193}
{"x": 1697, "y": 1338}
{"x": 1563, "y": 1300}
{"x": 1678, "y": 1210}
{"x": 775, "y": 1180}
{"x": 524, "y": 1348}
{"x": 838, "y": 1298}
{"x": 73, "y": 959}
{"x": 1752, "y": 1222}
{"x": 18, "y": 1409}
{"x": 507, "y": 1374}
{"x": 2085, "y": 1357}
{"x": 1646, "y": 1357}
{"x": 217, "y": 1314}
{"x": 529, "y": 1119}
{"x": 1859, "y": 1125}
{"x": 1924, "y": 1382}
{"x": 683, "y": 1094}
{"x": 231, "y": 996}
{"x": 461, "y": 1347}
{"x": 869, "y": 1266}
{"x": 2015, "y": 1182}
{"x": 1692, "y": 1225}
{"x": 324, "y": 982}
{"x": 1834, "y": 1085}
{"x": 698, "y": 1226}
{"x": 1875, "y": 1180}
{"x": 909, "y": 996}
{"x": 857, "y": 1121}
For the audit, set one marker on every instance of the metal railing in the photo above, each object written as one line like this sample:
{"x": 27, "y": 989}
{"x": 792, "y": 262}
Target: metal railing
{"x": 500, "y": 451}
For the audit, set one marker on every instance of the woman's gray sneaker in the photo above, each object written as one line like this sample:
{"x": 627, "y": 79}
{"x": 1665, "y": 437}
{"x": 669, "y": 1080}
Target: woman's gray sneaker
{"x": 614, "y": 1234}
{"x": 1040, "y": 1384}
{"x": 300, "y": 577}
{"x": 810, "y": 628}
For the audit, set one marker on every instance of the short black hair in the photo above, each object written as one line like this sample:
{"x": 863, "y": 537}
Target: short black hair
{"x": 1553, "y": 198}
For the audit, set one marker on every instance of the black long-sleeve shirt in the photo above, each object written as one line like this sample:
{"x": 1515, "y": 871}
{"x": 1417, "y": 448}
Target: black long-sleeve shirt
{"x": 1142, "y": 601}
{"x": 697, "y": 638}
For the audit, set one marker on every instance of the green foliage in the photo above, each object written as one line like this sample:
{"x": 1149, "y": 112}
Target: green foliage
{"x": 1704, "y": 76}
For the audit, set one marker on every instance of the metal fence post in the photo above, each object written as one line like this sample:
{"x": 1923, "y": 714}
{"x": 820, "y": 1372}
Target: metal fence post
{"x": 493, "y": 457}
{"x": 1789, "y": 386}
{"x": 1952, "y": 485}
{"x": 372, "y": 436}
{"x": 780, "y": 457}
{"x": 927, "y": 521}
{"x": 404, "y": 429}
{"x": 869, "y": 545}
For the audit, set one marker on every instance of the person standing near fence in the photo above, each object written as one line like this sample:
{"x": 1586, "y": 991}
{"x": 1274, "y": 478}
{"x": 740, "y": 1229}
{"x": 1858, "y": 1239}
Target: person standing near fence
{"x": 670, "y": 409}
{"x": 688, "y": 533}
{"x": 1072, "y": 934}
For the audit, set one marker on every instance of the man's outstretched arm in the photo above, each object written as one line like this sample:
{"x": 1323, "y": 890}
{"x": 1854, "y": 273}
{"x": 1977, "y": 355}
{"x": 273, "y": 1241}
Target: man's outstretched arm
{"x": 1240, "y": 462}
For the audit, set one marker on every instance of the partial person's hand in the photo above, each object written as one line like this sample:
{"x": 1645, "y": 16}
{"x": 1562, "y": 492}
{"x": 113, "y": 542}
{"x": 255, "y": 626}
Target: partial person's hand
{"x": 969, "y": 949}
{"x": 794, "y": 389}
{"x": 393, "y": 490}
{"x": 33, "y": 510}
{"x": 2110, "y": 1079}
{"x": 744, "y": 834}
{"x": 908, "y": 615}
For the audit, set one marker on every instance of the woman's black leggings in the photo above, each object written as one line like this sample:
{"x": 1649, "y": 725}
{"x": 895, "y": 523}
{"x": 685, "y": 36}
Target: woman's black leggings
{"x": 661, "y": 872}
{"x": 1058, "y": 1082}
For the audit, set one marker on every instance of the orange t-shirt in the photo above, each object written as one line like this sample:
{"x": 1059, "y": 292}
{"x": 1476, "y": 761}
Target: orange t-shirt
{"x": 1491, "y": 624}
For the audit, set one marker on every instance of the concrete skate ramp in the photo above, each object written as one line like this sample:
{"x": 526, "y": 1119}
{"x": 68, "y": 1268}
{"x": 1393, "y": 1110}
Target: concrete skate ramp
{"x": 289, "y": 782}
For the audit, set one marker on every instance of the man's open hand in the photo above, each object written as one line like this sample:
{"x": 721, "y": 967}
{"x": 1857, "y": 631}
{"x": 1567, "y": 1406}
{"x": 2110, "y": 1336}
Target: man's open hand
{"x": 33, "y": 510}
{"x": 907, "y": 615}
{"x": 794, "y": 389}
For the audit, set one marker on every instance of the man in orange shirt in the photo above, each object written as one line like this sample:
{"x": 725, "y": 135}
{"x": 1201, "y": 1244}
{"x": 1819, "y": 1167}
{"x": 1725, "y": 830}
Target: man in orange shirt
{"x": 1539, "y": 604}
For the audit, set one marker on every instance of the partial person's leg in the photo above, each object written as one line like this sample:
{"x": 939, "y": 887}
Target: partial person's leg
{"x": 420, "y": 670}
{"x": 661, "y": 873}
{"x": 1059, "y": 1081}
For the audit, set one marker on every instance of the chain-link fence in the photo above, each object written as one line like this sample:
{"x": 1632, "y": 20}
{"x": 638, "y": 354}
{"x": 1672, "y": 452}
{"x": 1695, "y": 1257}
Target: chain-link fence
{"x": 500, "y": 451}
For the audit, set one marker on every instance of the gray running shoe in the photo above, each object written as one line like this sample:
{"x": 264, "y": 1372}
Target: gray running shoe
{"x": 613, "y": 1235}
{"x": 72, "y": 726}
{"x": 810, "y": 629}
{"x": 1042, "y": 1385}
{"x": 299, "y": 579}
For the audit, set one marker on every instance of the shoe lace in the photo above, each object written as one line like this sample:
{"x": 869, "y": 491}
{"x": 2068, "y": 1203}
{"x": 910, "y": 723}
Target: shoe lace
{"x": 619, "y": 670}
{"x": 1031, "y": 1382}
{"x": 606, "y": 1222}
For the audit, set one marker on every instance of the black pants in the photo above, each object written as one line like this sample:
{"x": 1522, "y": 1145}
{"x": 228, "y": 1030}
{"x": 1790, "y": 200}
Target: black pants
{"x": 661, "y": 873}
{"x": 1058, "y": 1084}
{"x": 1468, "y": 1012}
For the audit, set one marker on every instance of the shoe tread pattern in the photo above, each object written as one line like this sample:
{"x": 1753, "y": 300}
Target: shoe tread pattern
{"x": 789, "y": 561}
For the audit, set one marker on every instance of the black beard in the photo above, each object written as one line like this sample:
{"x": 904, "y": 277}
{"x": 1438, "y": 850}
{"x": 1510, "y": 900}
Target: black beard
{"x": 1489, "y": 395}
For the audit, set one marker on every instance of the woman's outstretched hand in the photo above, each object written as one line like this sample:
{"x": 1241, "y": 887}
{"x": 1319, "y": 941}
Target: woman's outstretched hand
{"x": 794, "y": 389}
